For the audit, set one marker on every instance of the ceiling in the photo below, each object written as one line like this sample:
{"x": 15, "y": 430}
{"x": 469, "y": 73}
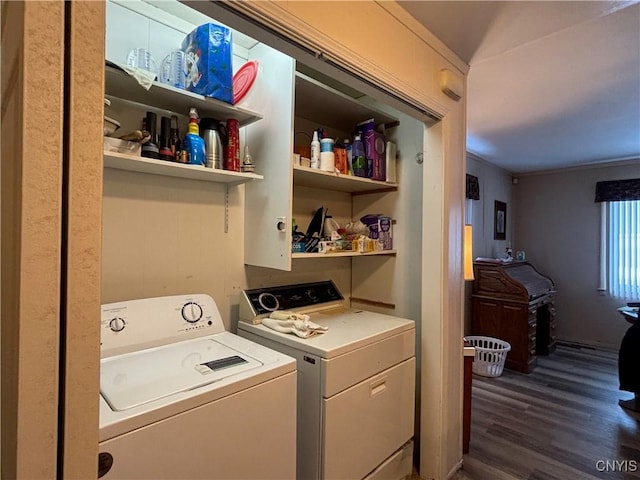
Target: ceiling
{"x": 551, "y": 84}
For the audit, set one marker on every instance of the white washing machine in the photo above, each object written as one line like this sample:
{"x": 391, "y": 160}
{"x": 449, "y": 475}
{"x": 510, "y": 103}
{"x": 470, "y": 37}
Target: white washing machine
{"x": 356, "y": 382}
{"x": 180, "y": 397}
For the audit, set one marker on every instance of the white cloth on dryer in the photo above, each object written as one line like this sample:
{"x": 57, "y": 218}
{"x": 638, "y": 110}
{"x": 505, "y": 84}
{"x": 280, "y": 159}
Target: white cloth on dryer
{"x": 295, "y": 323}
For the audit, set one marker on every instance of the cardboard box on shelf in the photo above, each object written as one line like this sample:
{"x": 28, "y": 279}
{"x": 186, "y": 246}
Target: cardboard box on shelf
{"x": 385, "y": 232}
{"x": 374, "y": 146}
{"x": 364, "y": 244}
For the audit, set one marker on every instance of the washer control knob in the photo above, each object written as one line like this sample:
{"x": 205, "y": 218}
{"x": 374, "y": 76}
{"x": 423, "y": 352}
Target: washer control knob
{"x": 191, "y": 312}
{"x": 117, "y": 324}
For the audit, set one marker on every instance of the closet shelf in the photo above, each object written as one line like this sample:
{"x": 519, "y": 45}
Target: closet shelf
{"x": 342, "y": 254}
{"x": 312, "y": 177}
{"x": 164, "y": 97}
{"x": 328, "y": 106}
{"x": 122, "y": 161}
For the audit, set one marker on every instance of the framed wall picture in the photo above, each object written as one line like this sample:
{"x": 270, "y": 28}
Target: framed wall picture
{"x": 500, "y": 221}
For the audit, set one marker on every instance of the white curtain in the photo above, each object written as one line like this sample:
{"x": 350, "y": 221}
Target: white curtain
{"x": 624, "y": 249}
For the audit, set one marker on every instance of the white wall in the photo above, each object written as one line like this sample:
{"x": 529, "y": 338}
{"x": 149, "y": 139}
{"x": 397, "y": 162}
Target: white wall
{"x": 558, "y": 225}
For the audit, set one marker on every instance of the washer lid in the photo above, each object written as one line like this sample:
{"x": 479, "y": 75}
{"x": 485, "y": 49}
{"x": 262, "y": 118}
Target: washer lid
{"x": 133, "y": 379}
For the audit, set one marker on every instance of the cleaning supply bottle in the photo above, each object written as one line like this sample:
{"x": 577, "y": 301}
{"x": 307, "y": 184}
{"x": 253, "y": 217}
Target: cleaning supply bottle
{"x": 193, "y": 144}
{"x": 174, "y": 141}
{"x": 315, "y": 151}
{"x": 358, "y": 159}
{"x": 150, "y": 147}
{"x": 348, "y": 147}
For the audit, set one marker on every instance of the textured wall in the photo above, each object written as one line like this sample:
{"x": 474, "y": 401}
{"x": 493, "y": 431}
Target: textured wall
{"x": 32, "y": 69}
{"x": 83, "y": 206}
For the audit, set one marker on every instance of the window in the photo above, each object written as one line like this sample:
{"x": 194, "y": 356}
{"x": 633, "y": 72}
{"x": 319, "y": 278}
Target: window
{"x": 623, "y": 252}
{"x": 620, "y": 237}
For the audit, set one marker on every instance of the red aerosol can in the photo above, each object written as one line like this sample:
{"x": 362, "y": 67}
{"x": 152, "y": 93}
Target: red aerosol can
{"x": 232, "y": 150}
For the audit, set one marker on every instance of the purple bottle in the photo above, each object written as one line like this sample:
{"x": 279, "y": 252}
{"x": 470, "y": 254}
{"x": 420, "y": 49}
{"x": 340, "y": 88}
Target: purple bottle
{"x": 358, "y": 159}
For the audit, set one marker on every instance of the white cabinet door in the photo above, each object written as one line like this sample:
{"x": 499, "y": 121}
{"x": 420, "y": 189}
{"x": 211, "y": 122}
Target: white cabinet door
{"x": 269, "y": 202}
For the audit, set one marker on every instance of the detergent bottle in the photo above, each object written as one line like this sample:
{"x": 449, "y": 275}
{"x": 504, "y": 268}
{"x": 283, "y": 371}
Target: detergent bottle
{"x": 193, "y": 144}
{"x": 358, "y": 159}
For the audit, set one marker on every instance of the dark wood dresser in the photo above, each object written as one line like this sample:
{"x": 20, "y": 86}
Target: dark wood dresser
{"x": 515, "y": 303}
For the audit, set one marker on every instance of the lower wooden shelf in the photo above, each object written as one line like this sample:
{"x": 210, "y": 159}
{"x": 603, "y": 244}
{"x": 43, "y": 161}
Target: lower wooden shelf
{"x": 123, "y": 161}
{"x": 315, "y": 178}
{"x": 342, "y": 254}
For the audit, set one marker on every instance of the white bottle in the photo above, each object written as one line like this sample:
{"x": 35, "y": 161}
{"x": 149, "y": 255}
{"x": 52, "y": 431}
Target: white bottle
{"x": 315, "y": 151}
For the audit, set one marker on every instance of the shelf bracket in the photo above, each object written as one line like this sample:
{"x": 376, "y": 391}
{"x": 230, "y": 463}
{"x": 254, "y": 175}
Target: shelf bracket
{"x": 226, "y": 209}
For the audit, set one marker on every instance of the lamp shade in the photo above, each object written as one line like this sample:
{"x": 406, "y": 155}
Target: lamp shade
{"x": 468, "y": 252}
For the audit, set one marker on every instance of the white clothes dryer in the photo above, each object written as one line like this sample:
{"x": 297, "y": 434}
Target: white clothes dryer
{"x": 180, "y": 397}
{"x": 356, "y": 382}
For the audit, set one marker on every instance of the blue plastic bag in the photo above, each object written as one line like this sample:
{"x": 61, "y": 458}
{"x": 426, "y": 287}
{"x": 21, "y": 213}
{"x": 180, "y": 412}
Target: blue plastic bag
{"x": 209, "y": 67}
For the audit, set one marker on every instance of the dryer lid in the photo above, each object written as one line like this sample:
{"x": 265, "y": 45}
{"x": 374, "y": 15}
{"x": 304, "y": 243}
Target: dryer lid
{"x": 136, "y": 378}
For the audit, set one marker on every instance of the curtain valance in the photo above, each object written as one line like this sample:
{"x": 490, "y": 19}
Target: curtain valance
{"x": 618, "y": 190}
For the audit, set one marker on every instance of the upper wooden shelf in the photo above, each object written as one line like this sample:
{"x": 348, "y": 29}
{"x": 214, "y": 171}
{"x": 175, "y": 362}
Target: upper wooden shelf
{"x": 122, "y": 161}
{"x": 327, "y": 106}
{"x": 164, "y": 97}
{"x": 312, "y": 177}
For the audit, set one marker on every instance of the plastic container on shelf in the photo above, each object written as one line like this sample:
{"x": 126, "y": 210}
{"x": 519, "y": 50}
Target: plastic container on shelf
{"x": 490, "y": 356}
{"x": 326, "y": 145}
{"x": 327, "y": 161}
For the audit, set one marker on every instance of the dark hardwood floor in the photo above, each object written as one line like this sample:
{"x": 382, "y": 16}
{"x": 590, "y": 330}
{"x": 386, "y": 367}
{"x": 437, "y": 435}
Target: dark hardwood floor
{"x": 560, "y": 422}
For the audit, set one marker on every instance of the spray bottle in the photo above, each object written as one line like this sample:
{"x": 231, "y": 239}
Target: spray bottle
{"x": 315, "y": 151}
{"x": 193, "y": 144}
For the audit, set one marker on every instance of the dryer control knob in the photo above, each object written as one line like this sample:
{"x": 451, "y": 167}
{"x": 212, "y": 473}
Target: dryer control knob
{"x": 191, "y": 312}
{"x": 117, "y": 324}
{"x": 269, "y": 302}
